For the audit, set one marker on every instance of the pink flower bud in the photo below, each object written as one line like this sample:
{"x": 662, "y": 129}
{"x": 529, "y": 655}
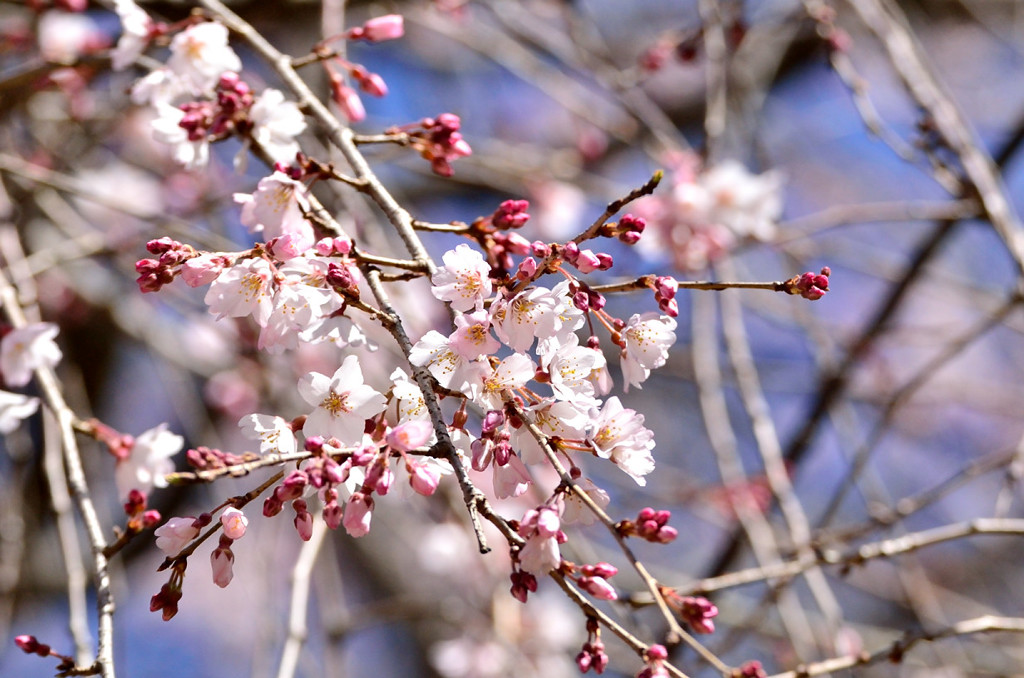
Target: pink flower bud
{"x": 587, "y": 261}
{"x": 348, "y": 100}
{"x": 527, "y": 268}
{"x": 657, "y": 653}
{"x": 332, "y": 515}
{"x": 304, "y": 523}
{"x": 234, "y": 522}
{"x": 481, "y": 454}
{"x": 373, "y": 84}
{"x": 150, "y": 518}
{"x": 423, "y": 478}
{"x": 598, "y": 587}
{"x": 272, "y": 506}
{"x": 220, "y": 561}
{"x": 387, "y": 27}
{"x": 358, "y": 513}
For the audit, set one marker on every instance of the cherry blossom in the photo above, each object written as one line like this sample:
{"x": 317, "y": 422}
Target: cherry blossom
{"x": 14, "y": 408}
{"x": 192, "y": 153}
{"x": 451, "y": 370}
{"x": 200, "y": 54}
{"x": 358, "y": 514}
{"x": 618, "y": 434}
{"x": 472, "y": 337}
{"x": 277, "y": 207}
{"x": 511, "y": 479}
{"x": 569, "y": 369}
{"x": 135, "y": 32}
{"x": 541, "y": 529}
{"x": 26, "y": 349}
{"x": 554, "y": 419}
{"x": 343, "y": 403}
{"x": 274, "y": 433}
{"x": 648, "y": 338}
{"x": 175, "y": 534}
{"x": 410, "y": 405}
{"x": 276, "y": 123}
{"x": 511, "y": 373}
{"x": 578, "y": 512}
{"x": 464, "y": 280}
{"x": 234, "y": 522}
{"x": 243, "y": 289}
{"x": 410, "y": 435}
{"x": 149, "y": 461}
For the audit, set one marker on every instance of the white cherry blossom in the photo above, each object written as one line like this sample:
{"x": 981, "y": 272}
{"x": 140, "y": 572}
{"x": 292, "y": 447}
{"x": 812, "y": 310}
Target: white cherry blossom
{"x": 618, "y": 434}
{"x": 243, "y": 289}
{"x": 472, "y": 336}
{"x": 511, "y": 373}
{"x": 276, "y": 123}
{"x": 135, "y": 25}
{"x": 562, "y": 419}
{"x": 451, "y": 370}
{"x": 464, "y": 280}
{"x": 149, "y": 461}
{"x": 343, "y": 403}
{"x": 28, "y": 348}
{"x": 274, "y": 433}
{"x": 648, "y": 338}
{"x": 14, "y": 408}
{"x": 200, "y": 55}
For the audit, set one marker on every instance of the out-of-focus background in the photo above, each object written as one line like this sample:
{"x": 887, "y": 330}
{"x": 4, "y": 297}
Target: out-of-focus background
{"x": 895, "y": 401}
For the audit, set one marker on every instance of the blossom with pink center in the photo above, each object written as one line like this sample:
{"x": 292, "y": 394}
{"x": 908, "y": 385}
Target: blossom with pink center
{"x": 148, "y": 462}
{"x": 276, "y": 122}
{"x": 15, "y": 407}
{"x": 472, "y": 337}
{"x": 243, "y": 289}
{"x": 234, "y": 522}
{"x": 200, "y": 55}
{"x": 26, "y": 349}
{"x": 618, "y": 434}
{"x": 358, "y": 513}
{"x": 274, "y": 433}
{"x": 135, "y": 27}
{"x": 410, "y": 435}
{"x": 464, "y": 280}
{"x": 648, "y": 338}
{"x": 276, "y": 207}
{"x": 343, "y": 403}
{"x": 175, "y": 534}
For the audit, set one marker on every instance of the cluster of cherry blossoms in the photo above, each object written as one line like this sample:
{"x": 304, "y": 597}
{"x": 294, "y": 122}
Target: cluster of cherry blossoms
{"x": 709, "y": 210}
{"x": 523, "y": 360}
